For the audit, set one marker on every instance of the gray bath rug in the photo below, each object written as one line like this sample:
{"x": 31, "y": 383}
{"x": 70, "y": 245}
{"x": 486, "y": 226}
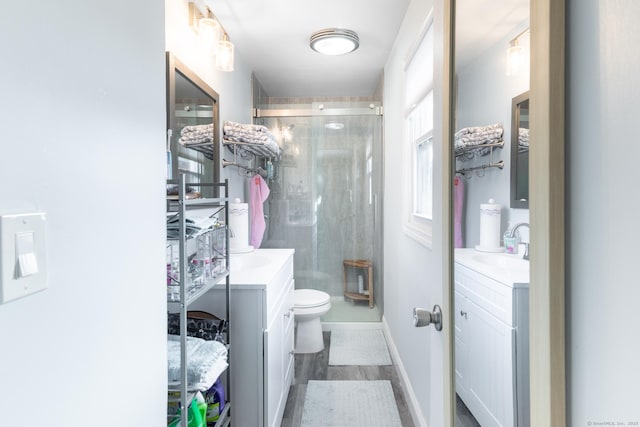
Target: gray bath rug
{"x": 350, "y": 404}
{"x": 360, "y": 347}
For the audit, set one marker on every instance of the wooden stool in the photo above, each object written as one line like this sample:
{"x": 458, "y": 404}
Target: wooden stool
{"x": 367, "y": 267}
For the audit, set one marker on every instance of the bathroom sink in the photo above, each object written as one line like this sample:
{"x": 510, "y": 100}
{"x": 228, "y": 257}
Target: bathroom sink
{"x": 248, "y": 261}
{"x": 503, "y": 261}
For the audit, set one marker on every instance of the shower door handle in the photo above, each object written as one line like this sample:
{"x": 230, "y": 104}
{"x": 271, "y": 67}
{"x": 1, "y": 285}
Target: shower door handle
{"x": 422, "y": 317}
{"x": 375, "y": 210}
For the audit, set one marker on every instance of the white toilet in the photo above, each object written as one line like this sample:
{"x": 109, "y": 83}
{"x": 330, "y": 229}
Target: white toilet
{"x": 308, "y": 306}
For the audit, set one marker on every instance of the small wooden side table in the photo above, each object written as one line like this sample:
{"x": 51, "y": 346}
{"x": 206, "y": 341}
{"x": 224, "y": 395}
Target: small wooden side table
{"x": 367, "y": 268}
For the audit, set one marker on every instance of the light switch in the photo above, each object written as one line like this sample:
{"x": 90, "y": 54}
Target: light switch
{"x": 26, "y": 257}
{"x": 22, "y": 255}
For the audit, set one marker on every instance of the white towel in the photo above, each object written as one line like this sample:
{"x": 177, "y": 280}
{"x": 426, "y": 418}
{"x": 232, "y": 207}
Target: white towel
{"x": 206, "y": 360}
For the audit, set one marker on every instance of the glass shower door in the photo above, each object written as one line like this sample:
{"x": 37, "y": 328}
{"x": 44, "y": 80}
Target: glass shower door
{"x": 325, "y": 203}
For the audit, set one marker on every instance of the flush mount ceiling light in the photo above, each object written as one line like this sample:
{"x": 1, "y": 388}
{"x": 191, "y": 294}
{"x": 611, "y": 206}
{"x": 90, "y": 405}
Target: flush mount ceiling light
{"x": 334, "y": 125}
{"x": 334, "y": 41}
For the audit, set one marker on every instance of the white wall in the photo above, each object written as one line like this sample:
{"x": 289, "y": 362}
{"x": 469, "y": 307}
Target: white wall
{"x": 234, "y": 88}
{"x": 82, "y": 83}
{"x": 603, "y": 101}
{"x": 412, "y": 273}
{"x": 484, "y": 97}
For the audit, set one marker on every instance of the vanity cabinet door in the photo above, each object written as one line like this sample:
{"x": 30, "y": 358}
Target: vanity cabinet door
{"x": 461, "y": 345}
{"x": 278, "y": 357}
{"x": 491, "y": 368}
{"x": 287, "y": 348}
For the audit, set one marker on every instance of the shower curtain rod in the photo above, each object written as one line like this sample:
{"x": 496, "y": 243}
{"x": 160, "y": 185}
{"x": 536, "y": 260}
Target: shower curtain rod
{"x": 310, "y": 112}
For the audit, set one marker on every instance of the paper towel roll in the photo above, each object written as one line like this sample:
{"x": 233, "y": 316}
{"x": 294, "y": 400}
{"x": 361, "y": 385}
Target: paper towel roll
{"x": 239, "y": 225}
{"x": 490, "y": 226}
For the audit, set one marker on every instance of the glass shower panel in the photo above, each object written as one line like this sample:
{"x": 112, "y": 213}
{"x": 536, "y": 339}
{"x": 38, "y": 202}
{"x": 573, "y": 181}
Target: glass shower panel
{"x": 324, "y": 201}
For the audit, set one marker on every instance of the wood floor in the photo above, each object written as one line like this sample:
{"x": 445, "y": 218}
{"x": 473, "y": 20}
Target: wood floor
{"x": 464, "y": 418}
{"x": 316, "y": 367}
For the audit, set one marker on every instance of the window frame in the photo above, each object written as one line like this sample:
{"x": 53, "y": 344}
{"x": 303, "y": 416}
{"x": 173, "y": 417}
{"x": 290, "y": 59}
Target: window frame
{"x": 415, "y": 225}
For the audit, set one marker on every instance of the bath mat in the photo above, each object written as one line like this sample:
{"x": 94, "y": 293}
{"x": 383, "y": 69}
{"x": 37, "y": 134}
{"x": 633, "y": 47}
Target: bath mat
{"x": 350, "y": 404}
{"x": 366, "y": 347}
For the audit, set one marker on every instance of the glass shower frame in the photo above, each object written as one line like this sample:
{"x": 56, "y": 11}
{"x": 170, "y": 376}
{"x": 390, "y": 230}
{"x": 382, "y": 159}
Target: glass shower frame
{"x": 326, "y": 199}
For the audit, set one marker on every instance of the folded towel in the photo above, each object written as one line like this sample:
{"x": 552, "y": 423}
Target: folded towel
{"x": 477, "y": 136}
{"x": 523, "y": 138}
{"x": 197, "y": 134}
{"x": 206, "y": 360}
{"x": 250, "y": 134}
{"x": 197, "y": 128}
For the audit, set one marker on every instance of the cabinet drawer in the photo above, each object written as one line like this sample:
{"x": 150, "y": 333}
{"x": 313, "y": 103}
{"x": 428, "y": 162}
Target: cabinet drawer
{"x": 493, "y": 296}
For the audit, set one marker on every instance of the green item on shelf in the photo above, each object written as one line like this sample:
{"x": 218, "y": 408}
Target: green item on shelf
{"x": 196, "y": 415}
{"x": 213, "y": 412}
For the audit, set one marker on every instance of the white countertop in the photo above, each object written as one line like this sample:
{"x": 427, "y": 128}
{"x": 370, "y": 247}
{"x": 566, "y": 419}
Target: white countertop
{"x": 509, "y": 269}
{"x": 258, "y": 267}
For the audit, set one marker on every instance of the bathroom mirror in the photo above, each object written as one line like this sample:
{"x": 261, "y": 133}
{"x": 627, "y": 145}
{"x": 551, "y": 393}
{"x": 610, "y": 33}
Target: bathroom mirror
{"x": 520, "y": 151}
{"x": 191, "y": 102}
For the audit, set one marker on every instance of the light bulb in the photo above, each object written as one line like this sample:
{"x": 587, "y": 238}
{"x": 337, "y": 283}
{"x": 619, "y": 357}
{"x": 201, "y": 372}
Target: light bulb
{"x": 224, "y": 58}
{"x": 514, "y": 59}
{"x": 209, "y": 31}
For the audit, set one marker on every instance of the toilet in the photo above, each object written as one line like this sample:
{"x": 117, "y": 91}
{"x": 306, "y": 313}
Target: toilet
{"x": 308, "y": 306}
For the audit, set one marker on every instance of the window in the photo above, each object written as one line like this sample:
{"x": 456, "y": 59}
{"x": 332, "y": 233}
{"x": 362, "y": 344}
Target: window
{"x": 423, "y": 171}
{"x": 418, "y": 138}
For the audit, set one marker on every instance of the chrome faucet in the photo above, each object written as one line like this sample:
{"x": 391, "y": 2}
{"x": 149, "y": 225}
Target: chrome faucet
{"x": 526, "y": 245}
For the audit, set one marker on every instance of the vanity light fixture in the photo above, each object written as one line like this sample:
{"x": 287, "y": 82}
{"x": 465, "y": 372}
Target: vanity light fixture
{"x": 515, "y": 55}
{"x": 334, "y": 41}
{"x": 224, "y": 58}
{"x": 210, "y": 33}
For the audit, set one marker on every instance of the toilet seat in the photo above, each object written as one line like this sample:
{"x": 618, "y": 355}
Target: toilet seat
{"x": 309, "y": 298}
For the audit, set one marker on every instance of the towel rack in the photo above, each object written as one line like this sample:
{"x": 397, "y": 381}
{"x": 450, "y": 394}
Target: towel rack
{"x": 248, "y": 170}
{"x": 498, "y": 164}
{"x": 468, "y": 153}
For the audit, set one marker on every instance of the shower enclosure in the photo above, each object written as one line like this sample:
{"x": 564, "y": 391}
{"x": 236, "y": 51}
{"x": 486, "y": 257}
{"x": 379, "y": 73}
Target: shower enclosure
{"x": 326, "y": 199}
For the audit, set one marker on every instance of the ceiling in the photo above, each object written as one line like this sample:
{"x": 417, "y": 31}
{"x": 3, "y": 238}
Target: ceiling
{"x": 482, "y": 23}
{"x": 272, "y": 37}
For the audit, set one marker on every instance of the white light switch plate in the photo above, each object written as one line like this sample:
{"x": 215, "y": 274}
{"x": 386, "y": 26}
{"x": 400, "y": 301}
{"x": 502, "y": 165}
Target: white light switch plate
{"x": 23, "y": 267}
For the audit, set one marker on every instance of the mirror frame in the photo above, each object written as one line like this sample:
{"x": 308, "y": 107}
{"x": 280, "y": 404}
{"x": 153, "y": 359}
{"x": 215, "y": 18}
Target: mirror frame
{"x": 547, "y": 218}
{"x": 547, "y": 206}
{"x": 174, "y": 66}
{"x": 515, "y": 202}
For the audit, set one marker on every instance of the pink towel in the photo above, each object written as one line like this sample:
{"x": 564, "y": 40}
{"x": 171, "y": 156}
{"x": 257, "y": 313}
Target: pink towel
{"x": 258, "y": 193}
{"x": 458, "y": 205}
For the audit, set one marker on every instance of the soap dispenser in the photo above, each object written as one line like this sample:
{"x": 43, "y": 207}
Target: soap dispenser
{"x": 510, "y": 243}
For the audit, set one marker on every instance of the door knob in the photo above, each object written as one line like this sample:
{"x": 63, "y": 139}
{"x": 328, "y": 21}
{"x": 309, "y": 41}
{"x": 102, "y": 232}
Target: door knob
{"x": 422, "y": 317}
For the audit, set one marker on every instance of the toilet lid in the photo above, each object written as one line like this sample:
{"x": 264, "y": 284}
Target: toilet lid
{"x": 305, "y": 298}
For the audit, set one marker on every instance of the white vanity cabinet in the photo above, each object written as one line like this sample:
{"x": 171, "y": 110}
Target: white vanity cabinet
{"x": 262, "y": 331}
{"x": 492, "y": 346}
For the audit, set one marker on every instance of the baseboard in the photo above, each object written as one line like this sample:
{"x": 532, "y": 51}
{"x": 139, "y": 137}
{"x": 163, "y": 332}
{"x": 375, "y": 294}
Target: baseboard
{"x": 412, "y": 401}
{"x": 328, "y": 326}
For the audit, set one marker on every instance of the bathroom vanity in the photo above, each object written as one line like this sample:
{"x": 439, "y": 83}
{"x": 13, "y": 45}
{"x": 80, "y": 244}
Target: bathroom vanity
{"x": 262, "y": 328}
{"x": 492, "y": 336}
